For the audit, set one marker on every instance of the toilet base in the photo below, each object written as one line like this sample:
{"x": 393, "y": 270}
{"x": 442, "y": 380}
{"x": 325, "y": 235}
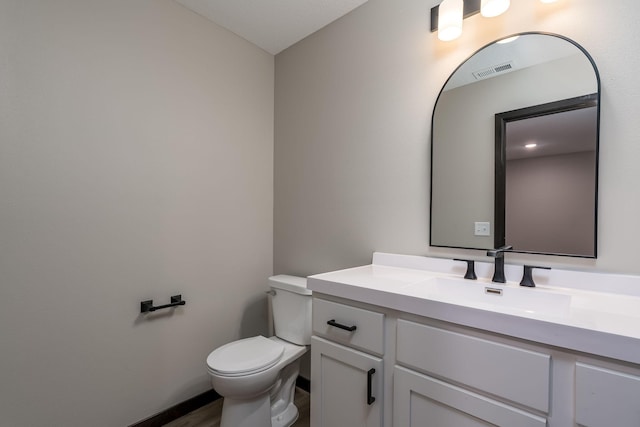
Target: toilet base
{"x": 254, "y": 412}
{"x": 286, "y": 418}
{"x": 283, "y": 411}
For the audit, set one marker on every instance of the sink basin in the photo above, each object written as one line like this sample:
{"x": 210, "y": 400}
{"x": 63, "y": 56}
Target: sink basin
{"x": 494, "y": 296}
{"x": 589, "y": 312}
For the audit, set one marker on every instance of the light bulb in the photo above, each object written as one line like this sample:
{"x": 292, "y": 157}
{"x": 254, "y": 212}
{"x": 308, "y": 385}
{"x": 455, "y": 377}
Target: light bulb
{"x": 491, "y": 8}
{"x": 450, "y": 19}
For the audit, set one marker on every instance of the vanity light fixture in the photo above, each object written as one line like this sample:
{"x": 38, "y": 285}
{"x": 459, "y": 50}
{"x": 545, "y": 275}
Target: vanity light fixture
{"x": 450, "y": 19}
{"x": 447, "y": 20}
{"x": 491, "y": 8}
{"x": 530, "y": 146}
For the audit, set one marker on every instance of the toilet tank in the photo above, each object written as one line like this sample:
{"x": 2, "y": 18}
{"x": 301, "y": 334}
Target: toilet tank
{"x": 291, "y": 307}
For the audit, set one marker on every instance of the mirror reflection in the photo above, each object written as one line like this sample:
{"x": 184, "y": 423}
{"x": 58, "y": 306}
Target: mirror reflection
{"x": 485, "y": 192}
{"x": 548, "y": 177}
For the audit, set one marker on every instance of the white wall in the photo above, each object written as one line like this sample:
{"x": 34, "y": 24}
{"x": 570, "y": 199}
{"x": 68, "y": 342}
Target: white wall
{"x": 353, "y": 106}
{"x": 136, "y": 162}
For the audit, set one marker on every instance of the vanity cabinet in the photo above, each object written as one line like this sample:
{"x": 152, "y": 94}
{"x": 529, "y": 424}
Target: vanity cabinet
{"x": 455, "y": 352}
{"x": 434, "y": 373}
{"x": 346, "y": 366}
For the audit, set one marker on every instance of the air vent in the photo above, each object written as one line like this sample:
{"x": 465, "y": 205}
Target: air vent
{"x": 489, "y": 72}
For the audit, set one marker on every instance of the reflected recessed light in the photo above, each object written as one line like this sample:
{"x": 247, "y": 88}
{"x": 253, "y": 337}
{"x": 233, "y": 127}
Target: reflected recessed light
{"x": 530, "y": 146}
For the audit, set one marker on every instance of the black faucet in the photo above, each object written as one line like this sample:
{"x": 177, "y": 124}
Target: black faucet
{"x": 498, "y": 271}
{"x": 471, "y": 272}
{"x": 527, "y": 275}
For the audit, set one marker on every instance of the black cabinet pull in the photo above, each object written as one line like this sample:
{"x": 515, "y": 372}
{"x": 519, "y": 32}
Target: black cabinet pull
{"x": 370, "y": 398}
{"x": 333, "y": 322}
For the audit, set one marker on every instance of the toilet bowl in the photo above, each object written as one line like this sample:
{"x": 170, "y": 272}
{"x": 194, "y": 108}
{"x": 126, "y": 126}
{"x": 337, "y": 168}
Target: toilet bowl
{"x": 256, "y": 376}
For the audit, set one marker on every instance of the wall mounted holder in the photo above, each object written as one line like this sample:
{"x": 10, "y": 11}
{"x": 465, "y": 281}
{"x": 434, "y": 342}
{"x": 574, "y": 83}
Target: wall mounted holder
{"x": 147, "y": 306}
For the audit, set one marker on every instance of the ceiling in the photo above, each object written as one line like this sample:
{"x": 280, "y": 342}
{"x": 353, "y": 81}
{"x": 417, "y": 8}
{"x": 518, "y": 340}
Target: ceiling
{"x": 565, "y": 132}
{"x": 273, "y": 25}
{"x": 520, "y": 53}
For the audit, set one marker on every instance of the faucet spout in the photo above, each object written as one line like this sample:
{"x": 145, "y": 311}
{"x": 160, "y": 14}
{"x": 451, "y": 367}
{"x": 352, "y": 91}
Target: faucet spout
{"x": 498, "y": 270}
{"x": 499, "y": 252}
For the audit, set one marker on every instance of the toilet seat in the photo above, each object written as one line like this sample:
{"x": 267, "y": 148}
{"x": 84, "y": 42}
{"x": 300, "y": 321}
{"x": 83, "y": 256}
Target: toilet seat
{"x": 245, "y": 357}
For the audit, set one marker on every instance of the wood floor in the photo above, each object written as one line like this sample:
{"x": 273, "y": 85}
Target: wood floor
{"x": 209, "y": 415}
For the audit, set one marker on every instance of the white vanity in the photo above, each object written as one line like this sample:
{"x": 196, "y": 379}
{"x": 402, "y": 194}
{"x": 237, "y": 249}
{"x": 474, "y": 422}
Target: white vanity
{"x": 406, "y": 341}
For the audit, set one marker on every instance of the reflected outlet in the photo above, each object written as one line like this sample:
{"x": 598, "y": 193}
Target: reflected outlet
{"x": 482, "y": 229}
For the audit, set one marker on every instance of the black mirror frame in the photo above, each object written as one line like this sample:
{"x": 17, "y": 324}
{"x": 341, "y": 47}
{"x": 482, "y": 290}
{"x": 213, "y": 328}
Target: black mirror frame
{"x": 497, "y": 240}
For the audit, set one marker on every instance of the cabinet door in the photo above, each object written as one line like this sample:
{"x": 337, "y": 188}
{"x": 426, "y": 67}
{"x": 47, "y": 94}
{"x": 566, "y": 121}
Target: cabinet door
{"x": 606, "y": 398}
{"x": 422, "y": 401}
{"x": 346, "y": 386}
{"x": 509, "y": 372}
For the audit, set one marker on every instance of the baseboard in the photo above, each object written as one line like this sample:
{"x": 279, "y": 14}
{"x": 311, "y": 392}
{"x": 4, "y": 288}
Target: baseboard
{"x": 182, "y": 409}
{"x": 179, "y": 410}
{"x": 303, "y": 383}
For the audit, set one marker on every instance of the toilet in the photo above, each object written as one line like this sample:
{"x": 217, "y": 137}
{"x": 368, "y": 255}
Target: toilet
{"x": 257, "y": 376}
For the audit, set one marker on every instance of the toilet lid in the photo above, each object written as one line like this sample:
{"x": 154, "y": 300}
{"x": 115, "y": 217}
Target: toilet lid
{"x": 245, "y": 356}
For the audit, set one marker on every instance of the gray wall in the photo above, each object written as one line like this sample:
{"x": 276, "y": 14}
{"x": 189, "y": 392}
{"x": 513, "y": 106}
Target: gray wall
{"x": 353, "y": 106}
{"x": 550, "y": 203}
{"x": 136, "y": 162}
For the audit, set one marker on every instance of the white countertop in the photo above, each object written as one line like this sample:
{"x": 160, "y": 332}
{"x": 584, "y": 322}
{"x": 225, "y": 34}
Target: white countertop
{"x": 601, "y": 323}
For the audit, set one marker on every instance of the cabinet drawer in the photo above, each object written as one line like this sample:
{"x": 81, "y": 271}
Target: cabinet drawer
{"x": 368, "y": 334}
{"x": 512, "y": 373}
{"x": 605, "y": 397}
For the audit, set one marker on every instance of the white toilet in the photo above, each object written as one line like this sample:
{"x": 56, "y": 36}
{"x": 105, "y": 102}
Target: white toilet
{"x": 257, "y": 376}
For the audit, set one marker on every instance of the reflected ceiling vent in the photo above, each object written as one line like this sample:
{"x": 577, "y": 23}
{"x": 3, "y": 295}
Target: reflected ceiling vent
{"x": 492, "y": 71}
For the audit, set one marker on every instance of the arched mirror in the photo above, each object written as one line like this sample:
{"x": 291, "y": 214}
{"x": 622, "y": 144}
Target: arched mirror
{"x": 514, "y": 149}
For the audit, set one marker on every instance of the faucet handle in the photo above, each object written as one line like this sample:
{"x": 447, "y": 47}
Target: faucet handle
{"x": 471, "y": 273}
{"x": 527, "y": 275}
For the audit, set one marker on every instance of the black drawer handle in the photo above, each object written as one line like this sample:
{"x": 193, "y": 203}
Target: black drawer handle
{"x": 333, "y": 322}
{"x": 370, "y": 398}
